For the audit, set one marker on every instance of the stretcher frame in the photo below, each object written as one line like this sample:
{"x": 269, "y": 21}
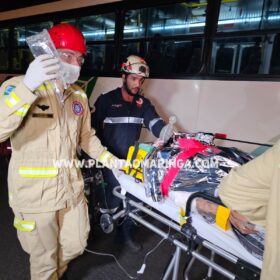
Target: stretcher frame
{"x": 191, "y": 246}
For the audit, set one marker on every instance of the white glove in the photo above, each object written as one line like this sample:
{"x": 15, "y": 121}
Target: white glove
{"x": 43, "y": 68}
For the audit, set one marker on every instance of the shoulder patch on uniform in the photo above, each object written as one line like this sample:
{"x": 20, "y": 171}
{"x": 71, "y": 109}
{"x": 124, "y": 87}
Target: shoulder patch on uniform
{"x": 9, "y": 89}
{"x": 77, "y": 108}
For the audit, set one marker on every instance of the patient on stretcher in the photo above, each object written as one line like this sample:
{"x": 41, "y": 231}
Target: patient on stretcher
{"x": 205, "y": 169}
{"x": 205, "y": 166}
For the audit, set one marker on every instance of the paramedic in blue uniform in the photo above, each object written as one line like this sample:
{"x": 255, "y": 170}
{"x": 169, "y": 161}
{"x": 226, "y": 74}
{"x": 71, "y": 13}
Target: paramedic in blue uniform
{"x": 118, "y": 119}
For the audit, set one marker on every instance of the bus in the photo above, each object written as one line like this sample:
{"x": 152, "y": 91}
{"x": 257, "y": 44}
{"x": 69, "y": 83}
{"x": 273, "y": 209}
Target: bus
{"x": 215, "y": 64}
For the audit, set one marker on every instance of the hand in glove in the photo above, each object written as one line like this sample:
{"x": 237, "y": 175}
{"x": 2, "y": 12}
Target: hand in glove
{"x": 43, "y": 68}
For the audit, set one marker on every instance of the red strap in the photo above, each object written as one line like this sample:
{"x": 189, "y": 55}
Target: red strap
{"x": 190, "y": 147}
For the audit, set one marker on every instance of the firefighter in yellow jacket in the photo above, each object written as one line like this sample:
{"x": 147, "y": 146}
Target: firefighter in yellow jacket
{"x": 253, "y": 190}
{"x": 45, "y": 185}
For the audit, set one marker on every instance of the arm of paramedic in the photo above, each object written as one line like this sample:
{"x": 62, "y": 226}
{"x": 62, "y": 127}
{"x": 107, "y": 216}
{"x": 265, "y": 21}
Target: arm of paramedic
{"x": 91, "y": 144}
{"x": 15, "y": 101}
{"x": 16, "y": 94}
{"x": 98, "y": 115}
{"x": 152, "y": 120}
{"x": 247, "y": 189}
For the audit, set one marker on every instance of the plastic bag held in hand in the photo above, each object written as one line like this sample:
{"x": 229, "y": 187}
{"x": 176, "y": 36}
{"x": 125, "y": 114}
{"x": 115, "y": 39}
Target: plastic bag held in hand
{"x": 43, "y": 68}
{"x": 168, "y": 130}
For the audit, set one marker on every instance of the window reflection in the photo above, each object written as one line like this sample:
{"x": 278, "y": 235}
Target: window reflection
{"x": 248, "y": 15}
{"x": 21, "y": 58}
{"x": 167, "y": 57}
{"x": 4, "y": 37}
{"x": 247, "y": 56}
{"x": 175, "y": 19}
{"x": 22, "y": 32}
{"x": 3, "y": 59}
{"x": 99, "y": 58}
{"x": 97, "y": 27}
{"x": 240, "y": 15}
{"x": 271, "y": 16}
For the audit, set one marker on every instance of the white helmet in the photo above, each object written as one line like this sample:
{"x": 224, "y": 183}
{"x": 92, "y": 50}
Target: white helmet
{"x": 136, "y": 65}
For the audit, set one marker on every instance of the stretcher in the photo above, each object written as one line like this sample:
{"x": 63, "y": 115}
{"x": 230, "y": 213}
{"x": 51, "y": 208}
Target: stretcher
{"x": 195, "y": 231}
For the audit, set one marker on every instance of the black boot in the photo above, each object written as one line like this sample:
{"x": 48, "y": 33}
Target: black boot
{"x": 126, "y": 232}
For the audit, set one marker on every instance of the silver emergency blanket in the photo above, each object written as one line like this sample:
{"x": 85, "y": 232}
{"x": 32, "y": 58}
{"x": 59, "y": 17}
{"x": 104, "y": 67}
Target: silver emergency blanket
{"x": 203, "y": 171}
{"x": 200, "y": 173}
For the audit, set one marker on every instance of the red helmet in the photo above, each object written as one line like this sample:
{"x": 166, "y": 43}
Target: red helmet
{"x": 67, "y": 36}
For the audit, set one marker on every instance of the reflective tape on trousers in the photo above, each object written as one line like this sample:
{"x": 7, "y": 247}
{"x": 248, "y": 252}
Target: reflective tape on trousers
{"x": 24, "y": 225}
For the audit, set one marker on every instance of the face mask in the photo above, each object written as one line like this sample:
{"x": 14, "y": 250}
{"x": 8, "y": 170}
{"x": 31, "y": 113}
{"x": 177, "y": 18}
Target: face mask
{"x": 70, "y": 72}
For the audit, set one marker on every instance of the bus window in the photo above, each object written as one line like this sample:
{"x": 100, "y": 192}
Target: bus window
{"x": 128, "y": 48}
{"x": 271, "y": 18}
{"x": 240, "y": 15}
{"x": 96, "y": 27}
{"x": 248, "y": 15}
{"x": 4, "y": 40}
{"x": 176, "y": 19}
{"x": 167, "y": 56}
{"x": 174, "y": 56}
{"x": 250, "y": 59}
{"x": 21, "y": 58}
{"x": 99, "y": 31}
{"x": 162, "y": 36}
{"x": 99, "y": 58}
{"x": 225, "y": 54}
{"x": 275, "y": 59}
{"x": 245, "y": 55}
{"x": 21, "y": 32}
